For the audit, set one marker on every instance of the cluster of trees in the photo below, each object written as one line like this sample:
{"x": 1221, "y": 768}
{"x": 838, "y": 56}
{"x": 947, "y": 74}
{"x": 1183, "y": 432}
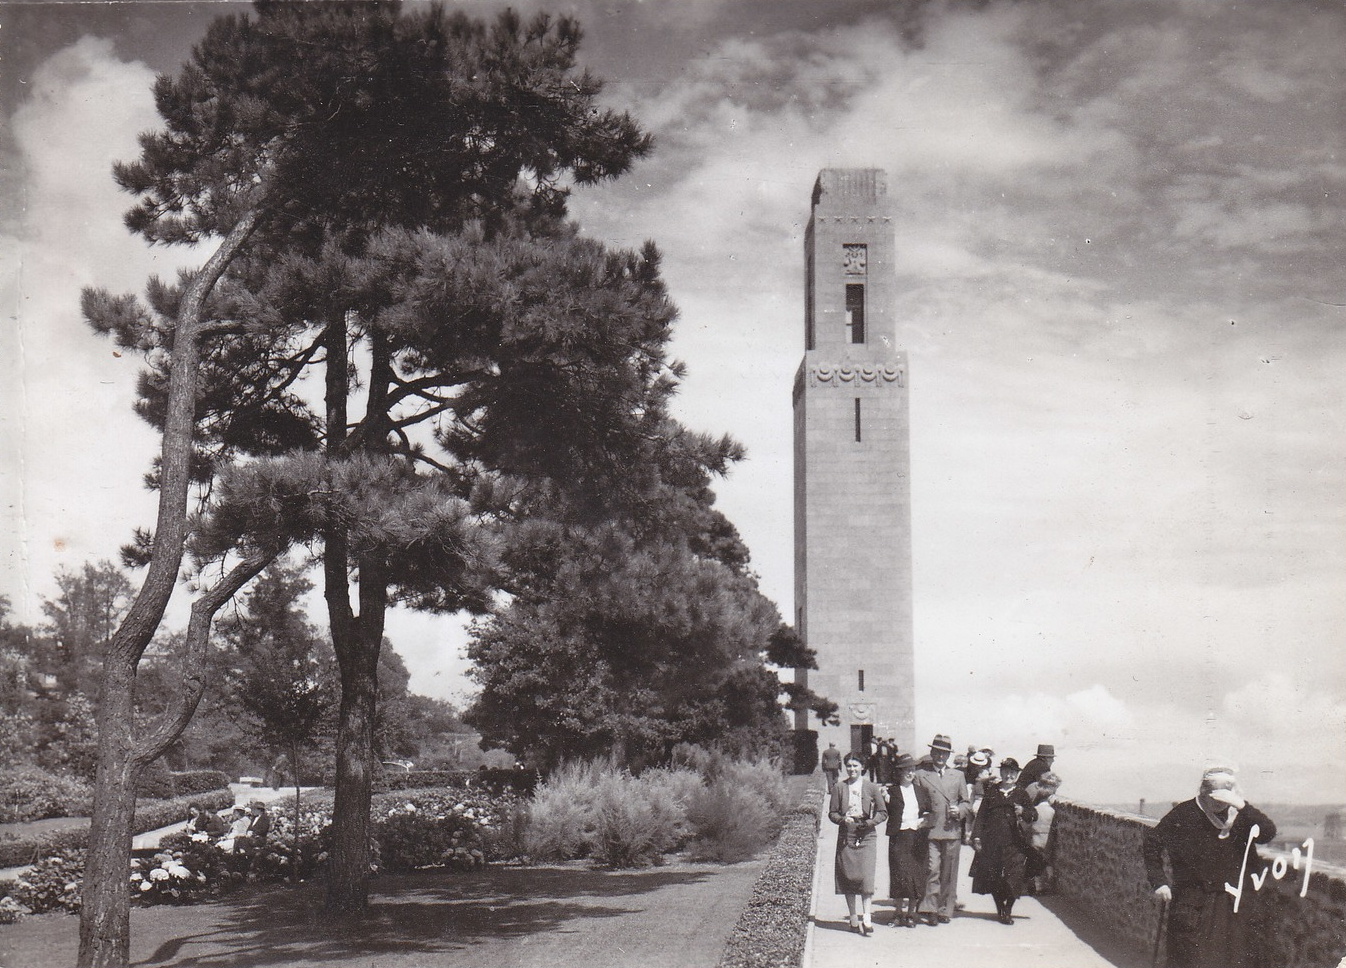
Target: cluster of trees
{"x": 271, "y": 701}
{"x": 402, "y": 357}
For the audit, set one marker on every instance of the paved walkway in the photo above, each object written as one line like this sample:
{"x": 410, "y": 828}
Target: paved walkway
{"x": 973, "y": 939}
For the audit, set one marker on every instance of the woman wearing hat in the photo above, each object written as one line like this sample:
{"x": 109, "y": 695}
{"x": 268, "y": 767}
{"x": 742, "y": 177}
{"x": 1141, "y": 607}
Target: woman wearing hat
{"x": 909, "y": 815}
{"x": 857, "y": 808}
{"x": 998, "y": 838}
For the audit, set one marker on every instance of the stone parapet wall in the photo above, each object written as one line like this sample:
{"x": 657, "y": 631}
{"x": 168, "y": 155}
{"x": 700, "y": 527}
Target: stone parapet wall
{"x": 1096, "y": 855}
{"x": 1098, "y": 866}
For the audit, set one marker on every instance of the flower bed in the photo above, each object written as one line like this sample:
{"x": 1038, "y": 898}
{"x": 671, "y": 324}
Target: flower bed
{"x": 150, "y": 815}
{"x": 453, "y": 829}
{"x": 520, "y": 782}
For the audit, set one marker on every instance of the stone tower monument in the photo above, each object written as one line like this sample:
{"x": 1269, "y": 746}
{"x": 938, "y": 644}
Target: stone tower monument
{"x": 851, "y": 467}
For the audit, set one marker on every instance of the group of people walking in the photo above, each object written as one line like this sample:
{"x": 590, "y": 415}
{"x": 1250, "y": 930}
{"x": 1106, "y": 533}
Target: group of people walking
{"x": 927, "y": 810}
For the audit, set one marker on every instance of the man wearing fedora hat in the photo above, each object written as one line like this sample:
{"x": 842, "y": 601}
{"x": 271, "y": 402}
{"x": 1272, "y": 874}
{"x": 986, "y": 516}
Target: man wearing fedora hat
{"x": 946, "y": 789}
{"x": 1038, "y": 765}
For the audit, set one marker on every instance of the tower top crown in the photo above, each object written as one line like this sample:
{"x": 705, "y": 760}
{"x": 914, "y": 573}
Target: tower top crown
{"x": 864, "y": 184}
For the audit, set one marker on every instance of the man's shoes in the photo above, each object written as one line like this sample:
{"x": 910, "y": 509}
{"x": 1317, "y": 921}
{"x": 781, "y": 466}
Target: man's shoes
{"x": 931, "y": 920}
{"x": 943, "y": 919}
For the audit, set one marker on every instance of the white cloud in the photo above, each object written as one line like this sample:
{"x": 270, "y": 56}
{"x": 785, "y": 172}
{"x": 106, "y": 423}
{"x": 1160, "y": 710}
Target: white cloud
{"x": 80, "y": 449}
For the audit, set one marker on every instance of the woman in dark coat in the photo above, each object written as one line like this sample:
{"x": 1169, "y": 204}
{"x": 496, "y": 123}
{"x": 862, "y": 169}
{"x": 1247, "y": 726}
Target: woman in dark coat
{"x": 857, "y": 808}
{"x": 997, "y": 836}
{"x": 909, "y": 814}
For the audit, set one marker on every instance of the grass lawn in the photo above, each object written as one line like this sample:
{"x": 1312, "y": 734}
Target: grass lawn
{"x": 558, "y": 916}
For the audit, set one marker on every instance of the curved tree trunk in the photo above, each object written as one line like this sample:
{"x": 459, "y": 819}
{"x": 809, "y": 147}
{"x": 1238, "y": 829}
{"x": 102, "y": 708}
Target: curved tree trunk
{"x": 105, "y": 915}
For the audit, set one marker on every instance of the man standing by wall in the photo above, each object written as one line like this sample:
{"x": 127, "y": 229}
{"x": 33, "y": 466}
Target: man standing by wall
{"x": 1038, "y": 765}
{"x": 947, "y": 790}
{"x": 1205, "y": 839}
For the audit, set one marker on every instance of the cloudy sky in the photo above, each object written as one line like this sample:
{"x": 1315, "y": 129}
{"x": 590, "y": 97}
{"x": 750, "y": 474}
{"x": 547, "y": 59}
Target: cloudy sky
{"x": 1123, "y": 295}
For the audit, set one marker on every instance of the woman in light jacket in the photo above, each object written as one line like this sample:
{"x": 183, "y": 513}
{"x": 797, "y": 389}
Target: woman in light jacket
{"x": 857, "y": 808}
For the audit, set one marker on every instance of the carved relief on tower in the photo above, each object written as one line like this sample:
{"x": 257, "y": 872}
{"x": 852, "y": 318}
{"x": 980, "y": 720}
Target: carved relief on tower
{"x": 862, "y": 712}
{"x": 855, "y": 259}
{"x": 842, "y": 374}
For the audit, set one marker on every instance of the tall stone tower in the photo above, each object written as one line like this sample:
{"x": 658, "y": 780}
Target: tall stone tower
{"x": 852, "y": 461}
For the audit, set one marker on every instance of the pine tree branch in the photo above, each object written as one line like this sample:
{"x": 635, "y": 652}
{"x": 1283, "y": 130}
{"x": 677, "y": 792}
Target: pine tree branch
{"x": 193, "y": 685}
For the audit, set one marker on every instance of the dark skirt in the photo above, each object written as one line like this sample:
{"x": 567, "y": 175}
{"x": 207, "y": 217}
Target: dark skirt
{"x": 855, "y": 865}
{"x": 1204, "y": 932}
{"x": 908, "y": 863}
{"x": 999, "y": 870}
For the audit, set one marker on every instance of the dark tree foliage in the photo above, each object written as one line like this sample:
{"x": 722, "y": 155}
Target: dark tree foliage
{"x": 635, "y": 635}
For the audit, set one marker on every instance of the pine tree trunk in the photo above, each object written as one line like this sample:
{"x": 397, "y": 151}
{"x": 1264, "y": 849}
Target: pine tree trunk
{"x": 348, "y": 883}
{"x": 105, "y": 913}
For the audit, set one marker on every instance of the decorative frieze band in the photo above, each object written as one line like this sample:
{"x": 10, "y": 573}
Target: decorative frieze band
{"x": 838, "y": 374}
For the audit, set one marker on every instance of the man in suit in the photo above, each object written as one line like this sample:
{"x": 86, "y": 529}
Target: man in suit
{"x": 831, "y": 764}
{"x": 1038, "y": 765}
{"x": 946, "y": 789}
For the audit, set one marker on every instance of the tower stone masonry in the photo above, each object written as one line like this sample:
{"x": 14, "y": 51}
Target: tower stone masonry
{"x": 852, "y": 492}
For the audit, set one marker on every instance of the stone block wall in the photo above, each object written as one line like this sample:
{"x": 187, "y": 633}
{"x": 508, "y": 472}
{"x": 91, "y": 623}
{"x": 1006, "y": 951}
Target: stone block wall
{"x": 1098, "y": 866}
{"x": 1096, "y": 854}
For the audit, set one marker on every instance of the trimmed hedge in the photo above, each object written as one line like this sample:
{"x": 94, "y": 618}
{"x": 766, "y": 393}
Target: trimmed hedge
{"x": 522, "y": 782}
{"x": 772, "y": 929}
{"x": 802, "y": 745}
{"x": 199, "y": 781}
{"x": 151, "y": 815}
{"x": 160, "y": 783}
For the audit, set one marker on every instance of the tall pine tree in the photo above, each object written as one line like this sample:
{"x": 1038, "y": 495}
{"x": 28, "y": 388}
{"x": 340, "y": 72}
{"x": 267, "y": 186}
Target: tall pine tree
{"x": 296, "y": 135}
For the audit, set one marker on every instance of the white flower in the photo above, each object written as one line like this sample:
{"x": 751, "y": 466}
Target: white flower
{"x": 158, "y": 874}
{"x": 146, "y": 885}
{"x": 177, "y": 870}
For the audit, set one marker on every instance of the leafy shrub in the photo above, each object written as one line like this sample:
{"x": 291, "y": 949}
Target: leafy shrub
{"x": 635, "y": 823}
{"x": 10, "y": 909}
{"x": 32, "y": 793}
{"x": 560, "y": 821}
{"x": 156, "y": 782}
{"x": 52, "y": 884}
{"x": 732, "y": 809}
{"x": 172, "y": 876}
{"x": 732, "y": 822}
{"x": 432, "y": 832}
{"x": 763, "y": 778}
